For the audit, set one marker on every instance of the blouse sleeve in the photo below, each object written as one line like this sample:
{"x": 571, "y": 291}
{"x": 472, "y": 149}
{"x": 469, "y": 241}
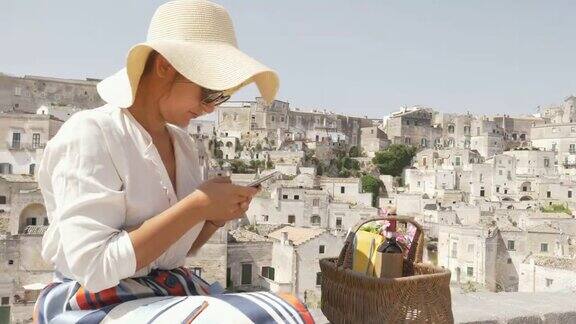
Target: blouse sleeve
{"x": 78, "y": 172}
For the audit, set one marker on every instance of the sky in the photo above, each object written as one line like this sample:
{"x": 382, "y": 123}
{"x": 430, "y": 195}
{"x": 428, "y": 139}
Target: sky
{"x": 352, "y": 57}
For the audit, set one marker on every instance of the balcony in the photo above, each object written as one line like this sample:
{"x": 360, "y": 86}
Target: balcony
{"x": 569, "y": 165}
{"x": 19, "y": 146}
{"x": 34, "y": 146}
{"x": 14, "y": 146}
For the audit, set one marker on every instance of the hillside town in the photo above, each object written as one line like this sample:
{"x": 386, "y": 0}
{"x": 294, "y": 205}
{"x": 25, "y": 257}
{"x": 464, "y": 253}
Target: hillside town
{"x": 495, "y": 194}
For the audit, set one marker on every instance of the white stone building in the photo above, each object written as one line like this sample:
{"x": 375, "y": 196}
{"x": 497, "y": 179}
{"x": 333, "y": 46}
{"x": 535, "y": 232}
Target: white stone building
{"x": 296, "y": 253}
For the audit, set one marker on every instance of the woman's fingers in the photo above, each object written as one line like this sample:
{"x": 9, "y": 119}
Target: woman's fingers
{"x": 246, "y": 192}
{"x": 221, "y": 180}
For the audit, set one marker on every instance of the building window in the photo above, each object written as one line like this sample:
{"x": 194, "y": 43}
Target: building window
{"x": 321, "y": 249}
{"x": 16, "y": 140}
{"x": 2, "y": 200}
{"x": 316, "y": 202}
{"x": 5, "y": 300}
{"x": 268, "y": 272}
{"x": 497, "y": 189}
{"x": 509, "y": 261}
{"x": 569, "y": 193}
{"x": 454, "y": 250}
{"x": 342, "y": 189}
{"x": 572, "y": 148}
{"x": 10, "y": 262}
{"x": 318, "y": 278}
{"x": 265, "y": 218}
{"x": 548, "y": 194}
{"x": 543, "y": 247}
{"x": 511, "y": 246}
{"x": 338, "y": 222}
{"x": 296, "y": 197}
{"x": 450, "y": 129}
{"x": 284, "y": 196}
{"x": 35, "y": 140}
{"x": 229, "y": 282}
{"x": 46, "y": 222}
{"x": 482, "y": 192}
{"x": 546, "y": 162}
{"x": 505, "y": 191}
{"x": 315, "y": 220}
{"x": 457, "y": 161}
{"x": 30, "y": 221}
{"x": 32, "y": 168}
{"x": 470, "y": 271}
{"x": 246, "y": 273}
{"x": 549, "y": 282}
{"x": 197, "y": 271}
{"x": 291, "y": 219}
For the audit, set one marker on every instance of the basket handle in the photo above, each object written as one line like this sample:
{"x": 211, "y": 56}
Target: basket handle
{"x": 414, "y": 254}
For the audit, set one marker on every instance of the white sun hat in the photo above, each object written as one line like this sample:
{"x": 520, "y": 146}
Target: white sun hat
{"x": 197, "y": 38}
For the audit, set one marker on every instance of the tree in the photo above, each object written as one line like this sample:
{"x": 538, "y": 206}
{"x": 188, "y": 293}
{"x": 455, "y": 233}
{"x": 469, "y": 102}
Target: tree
{"x": 350, "y": 164}
{"x": 238, "y": 166}
{"x": 394, "y": 159}
{"x": 371, "y": 184}
{"x": 354, "y": 152}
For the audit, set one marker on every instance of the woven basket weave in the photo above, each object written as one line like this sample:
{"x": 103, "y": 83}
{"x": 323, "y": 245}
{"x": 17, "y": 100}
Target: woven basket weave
{"x": 421, "y": 296}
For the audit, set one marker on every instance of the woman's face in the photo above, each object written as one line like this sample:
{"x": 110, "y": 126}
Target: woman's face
{"x": 182, "y": 102}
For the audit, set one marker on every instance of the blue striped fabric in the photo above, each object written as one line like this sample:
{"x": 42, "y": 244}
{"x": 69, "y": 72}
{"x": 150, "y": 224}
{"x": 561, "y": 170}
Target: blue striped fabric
{"x": 165, "y": 296}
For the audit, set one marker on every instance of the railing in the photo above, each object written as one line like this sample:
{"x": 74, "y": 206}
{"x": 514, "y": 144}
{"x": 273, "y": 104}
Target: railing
{"x": 569, "y": 165}
{"x": 14, "y": 145}
{"x": 24, "y": 146}
{"x": 35, "y": 146}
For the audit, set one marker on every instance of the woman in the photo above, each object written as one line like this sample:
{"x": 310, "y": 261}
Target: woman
{"x": 126, "y": 188}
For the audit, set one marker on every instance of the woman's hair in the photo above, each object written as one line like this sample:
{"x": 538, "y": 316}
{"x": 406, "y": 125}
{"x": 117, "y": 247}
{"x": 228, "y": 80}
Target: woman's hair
{"x": 150, "y": 62}
{"x": 149, "y": 66}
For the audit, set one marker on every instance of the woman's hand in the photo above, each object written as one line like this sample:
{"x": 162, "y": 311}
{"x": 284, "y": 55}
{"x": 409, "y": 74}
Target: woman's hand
{"x": 219, "y": 200}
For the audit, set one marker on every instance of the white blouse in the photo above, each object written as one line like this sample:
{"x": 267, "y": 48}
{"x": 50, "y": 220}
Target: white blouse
{"x": 102, "y": 174}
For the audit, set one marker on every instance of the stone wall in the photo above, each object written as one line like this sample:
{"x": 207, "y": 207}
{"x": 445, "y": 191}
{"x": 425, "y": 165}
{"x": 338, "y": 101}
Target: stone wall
{"x": 212, "y": 258}
{"x": 27, "y": 94}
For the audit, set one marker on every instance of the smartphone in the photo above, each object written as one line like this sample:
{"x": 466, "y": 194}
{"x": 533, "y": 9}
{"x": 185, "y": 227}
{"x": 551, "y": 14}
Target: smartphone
{"x": 257, "y": 182}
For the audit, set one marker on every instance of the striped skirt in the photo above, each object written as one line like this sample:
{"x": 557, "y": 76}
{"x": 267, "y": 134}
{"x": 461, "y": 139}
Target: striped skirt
{"x": 165, "y": 296}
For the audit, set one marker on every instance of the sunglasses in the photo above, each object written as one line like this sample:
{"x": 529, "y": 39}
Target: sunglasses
{"x": 214, "y": 97}
{"x": 211, "y": 97}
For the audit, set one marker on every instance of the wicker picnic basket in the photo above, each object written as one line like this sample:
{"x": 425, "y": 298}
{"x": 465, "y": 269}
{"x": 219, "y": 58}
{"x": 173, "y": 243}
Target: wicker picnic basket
{"x": 422, "y": 295}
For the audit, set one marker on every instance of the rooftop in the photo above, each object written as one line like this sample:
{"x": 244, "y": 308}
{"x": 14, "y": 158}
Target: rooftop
{"x": 543, "y": 228}
{"x": 298, "y": 235}
{"x": 18, "y": 177}
{"x": 554, "y": 262}
{"x": 35, "y": 229}
{"x": 242, "y": 235}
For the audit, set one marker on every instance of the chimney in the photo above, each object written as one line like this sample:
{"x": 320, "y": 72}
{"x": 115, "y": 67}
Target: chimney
{"x": 285, "y": 238}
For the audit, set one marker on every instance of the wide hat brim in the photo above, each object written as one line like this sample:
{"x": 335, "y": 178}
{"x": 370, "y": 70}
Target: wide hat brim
{"x": 212, "y": 65}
